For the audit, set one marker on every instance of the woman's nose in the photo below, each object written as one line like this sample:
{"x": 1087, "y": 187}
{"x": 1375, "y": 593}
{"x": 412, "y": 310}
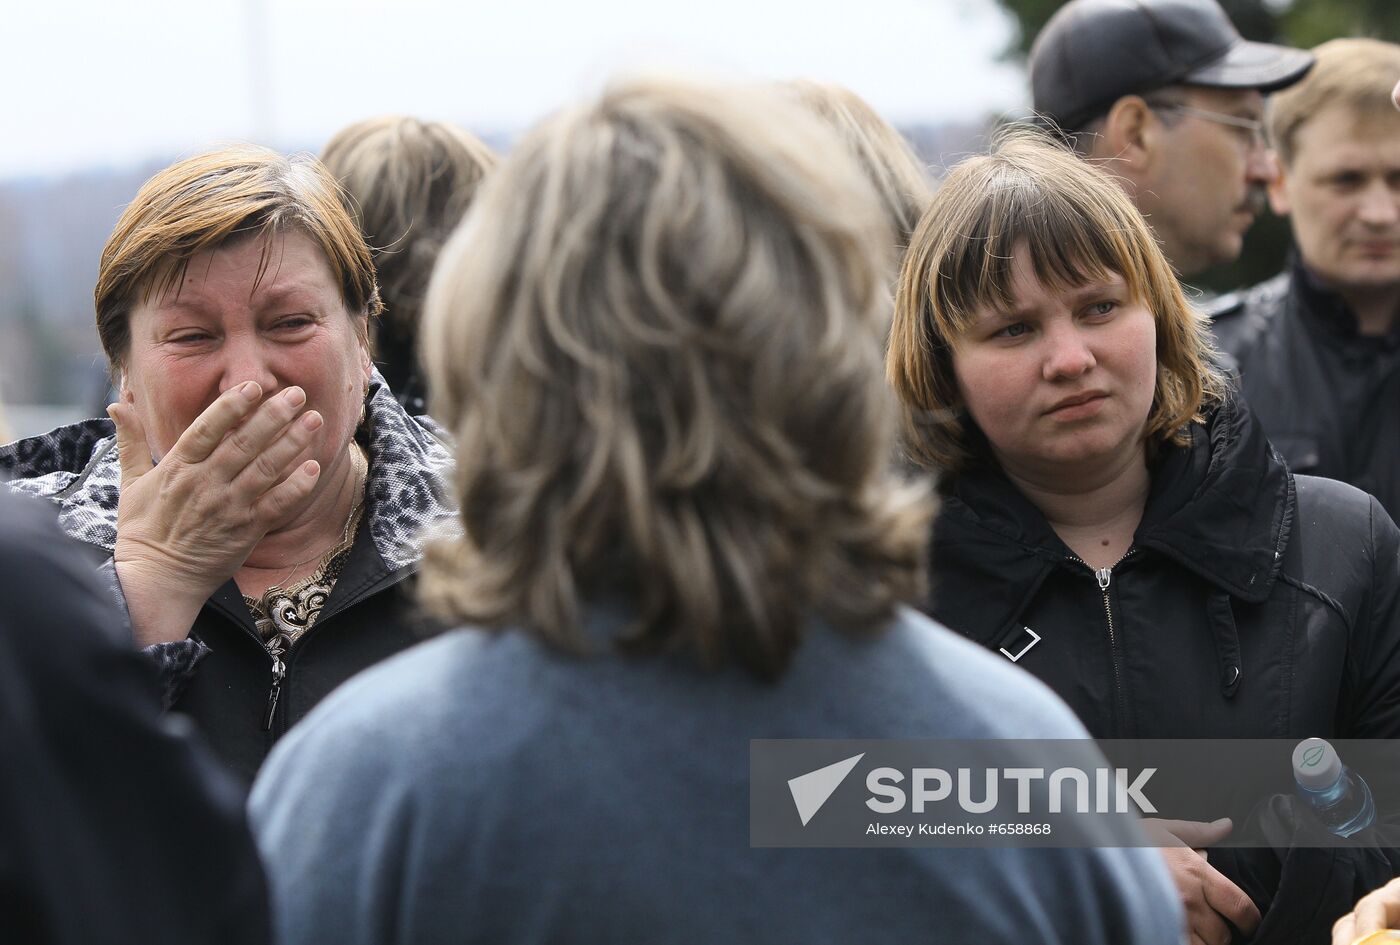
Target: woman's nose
{"x": 244, "y": 360}
{"x": 1067, "y": 354}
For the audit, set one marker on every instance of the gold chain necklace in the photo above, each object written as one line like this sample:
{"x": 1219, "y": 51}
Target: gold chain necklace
{"x": 360, "y": 470}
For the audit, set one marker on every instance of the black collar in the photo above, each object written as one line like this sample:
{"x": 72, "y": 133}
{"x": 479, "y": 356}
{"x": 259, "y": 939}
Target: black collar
{"x": 1221, "y": 507}
{"x": 1325, "y": 308}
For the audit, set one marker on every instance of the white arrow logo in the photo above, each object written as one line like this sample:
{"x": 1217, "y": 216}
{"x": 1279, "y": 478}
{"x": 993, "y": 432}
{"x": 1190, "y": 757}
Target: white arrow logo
{"x": 811, "y": 790}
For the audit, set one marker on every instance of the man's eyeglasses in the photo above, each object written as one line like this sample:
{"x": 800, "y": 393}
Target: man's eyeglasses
{"x": 1253, "y": 126}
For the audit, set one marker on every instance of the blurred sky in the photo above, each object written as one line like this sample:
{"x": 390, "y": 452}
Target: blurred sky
{"x": 113, "y": 82}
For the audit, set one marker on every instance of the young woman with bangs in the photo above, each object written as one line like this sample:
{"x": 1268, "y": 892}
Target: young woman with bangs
{"x": 1113, "y": 521}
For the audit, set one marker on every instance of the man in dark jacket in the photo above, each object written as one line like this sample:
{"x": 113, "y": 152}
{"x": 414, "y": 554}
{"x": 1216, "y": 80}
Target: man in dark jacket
{"x": 114, "y": 827}
{"x": 1318, "y": 347}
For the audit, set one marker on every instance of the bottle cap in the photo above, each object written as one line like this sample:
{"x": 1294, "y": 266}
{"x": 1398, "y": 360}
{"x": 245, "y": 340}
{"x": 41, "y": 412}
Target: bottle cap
{"x": 1315, "y": 764}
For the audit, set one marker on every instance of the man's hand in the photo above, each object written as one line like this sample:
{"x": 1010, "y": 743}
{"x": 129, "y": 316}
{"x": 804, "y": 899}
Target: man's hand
{"x": 1208, "y": 897}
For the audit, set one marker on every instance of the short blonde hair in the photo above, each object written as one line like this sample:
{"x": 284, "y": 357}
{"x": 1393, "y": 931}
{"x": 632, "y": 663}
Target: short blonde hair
{"x": 223, "y": 196}
{"x": 410, "y": 182}
{"x": 1356, "y": 74}
{"x": 899, "y": 177}
{"x": 656, "y": 340}
{"x": 1076, "y": 223}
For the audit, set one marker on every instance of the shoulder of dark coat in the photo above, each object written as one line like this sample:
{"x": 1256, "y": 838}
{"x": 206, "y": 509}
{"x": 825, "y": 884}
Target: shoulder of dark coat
{"x": 1343, "y": 544}
{"x": 1260, "y": 299}
{"x": 1240, "y": 320}
{"x": 1340, "y": 509}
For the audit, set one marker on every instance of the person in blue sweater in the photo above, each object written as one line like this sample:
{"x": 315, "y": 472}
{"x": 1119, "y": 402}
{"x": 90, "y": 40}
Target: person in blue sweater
{"x": 657, "y": 341}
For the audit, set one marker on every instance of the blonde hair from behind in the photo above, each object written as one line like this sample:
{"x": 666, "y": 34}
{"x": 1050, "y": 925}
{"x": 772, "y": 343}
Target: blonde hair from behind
{"x": 1030, "y": 194}
{"x": 656, "y": 339}
{"x": 1355, "y": 74}
{"x": 410, "y": 183}
{"x": 899, "y": 177}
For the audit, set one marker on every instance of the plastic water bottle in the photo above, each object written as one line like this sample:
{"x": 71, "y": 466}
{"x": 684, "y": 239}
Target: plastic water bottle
{"x": 1338, "y": 796}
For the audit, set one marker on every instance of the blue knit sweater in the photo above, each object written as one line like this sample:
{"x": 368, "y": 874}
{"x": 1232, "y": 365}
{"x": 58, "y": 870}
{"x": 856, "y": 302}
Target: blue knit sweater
{"x": 485, "y": 789}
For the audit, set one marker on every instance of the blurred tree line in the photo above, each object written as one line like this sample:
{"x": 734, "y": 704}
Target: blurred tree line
{"x": 1301, "y": 23}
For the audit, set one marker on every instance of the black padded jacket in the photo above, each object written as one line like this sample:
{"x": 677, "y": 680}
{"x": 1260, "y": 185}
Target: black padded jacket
{"x": 1252, "y": 604}
{"x": 1328, "y": 398}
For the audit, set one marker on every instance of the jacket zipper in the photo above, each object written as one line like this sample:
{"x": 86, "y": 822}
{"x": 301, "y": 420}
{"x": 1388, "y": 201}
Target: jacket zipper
{"x": 279, "y": 672}
{"x": 1104, "y": 577}
{"x": 276, "y": 651}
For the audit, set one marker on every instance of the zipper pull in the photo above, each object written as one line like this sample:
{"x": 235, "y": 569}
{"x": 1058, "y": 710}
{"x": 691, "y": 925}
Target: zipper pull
{"x": 278, "y": 672}
{"x": 1103, "y": 575}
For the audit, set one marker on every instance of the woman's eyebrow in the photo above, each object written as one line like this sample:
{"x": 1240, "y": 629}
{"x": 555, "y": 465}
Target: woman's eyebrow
{"x": 1003, "y": 315}
{"x": 300, "y": 296}
{"x": 177, "y": 305}
{"x": 1095, "y": 286}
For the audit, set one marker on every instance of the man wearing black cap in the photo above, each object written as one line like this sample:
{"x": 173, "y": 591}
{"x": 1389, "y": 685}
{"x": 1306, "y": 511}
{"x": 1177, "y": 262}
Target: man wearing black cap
{"x": 1171, "y": 97}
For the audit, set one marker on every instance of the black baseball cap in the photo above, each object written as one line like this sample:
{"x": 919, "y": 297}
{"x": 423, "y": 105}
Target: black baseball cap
{"x": 1093, "y": 52}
